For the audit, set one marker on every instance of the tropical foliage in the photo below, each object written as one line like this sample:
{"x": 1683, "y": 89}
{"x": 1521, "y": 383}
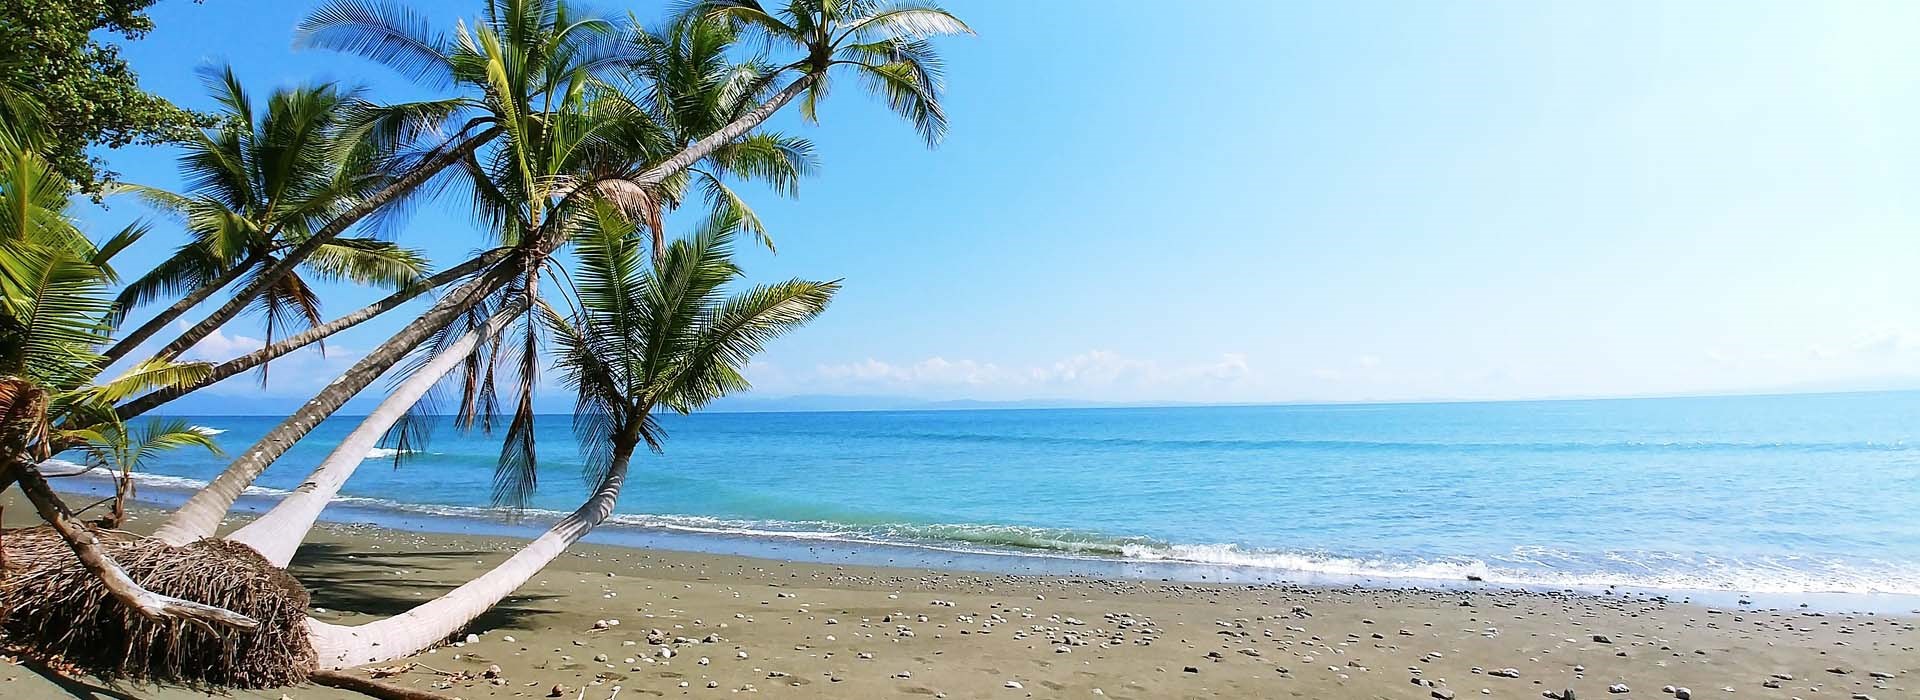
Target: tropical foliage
{"x": 82, "y": 93}
{"x": 569, "y": 137}
{"x": 259, "y": 185}
{"x": 645, "y": 333}
{"x": 119, "y": 448}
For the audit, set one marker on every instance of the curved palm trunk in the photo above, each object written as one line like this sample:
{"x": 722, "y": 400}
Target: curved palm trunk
{"x": 278, "y": 534}
{"x": 200, "y": 516}
{"x": 174, "y": 312}
{"x": 307, "y": 337}
{"x": 285, "y": 266}
{"x": 343, "y": 646}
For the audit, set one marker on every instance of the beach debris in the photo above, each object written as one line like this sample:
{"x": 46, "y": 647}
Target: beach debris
{"x": 389, "y": 671}
{"x": 1618, "y": 688}
{"x": 1015, "y": 685}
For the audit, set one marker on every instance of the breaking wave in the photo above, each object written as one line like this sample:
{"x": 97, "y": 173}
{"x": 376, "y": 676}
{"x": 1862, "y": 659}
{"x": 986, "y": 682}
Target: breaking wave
{"x": 1526, "y": 566}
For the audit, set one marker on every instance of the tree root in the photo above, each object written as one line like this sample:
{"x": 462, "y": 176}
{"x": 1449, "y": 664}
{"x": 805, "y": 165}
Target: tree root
{"x": 367, "y": 686}
{"x": 93, "y": 556}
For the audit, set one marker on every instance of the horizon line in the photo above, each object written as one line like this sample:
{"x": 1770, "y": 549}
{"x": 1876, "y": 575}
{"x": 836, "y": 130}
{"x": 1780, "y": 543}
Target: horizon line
{"x": 1090, "y": 405}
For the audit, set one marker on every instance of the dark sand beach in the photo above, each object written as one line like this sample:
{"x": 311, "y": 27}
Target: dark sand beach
{"x": 606, "y": 622}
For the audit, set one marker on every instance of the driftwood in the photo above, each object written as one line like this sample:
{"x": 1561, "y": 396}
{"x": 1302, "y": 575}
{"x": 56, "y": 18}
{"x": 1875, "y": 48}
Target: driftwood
{"x": 345, "y": 680}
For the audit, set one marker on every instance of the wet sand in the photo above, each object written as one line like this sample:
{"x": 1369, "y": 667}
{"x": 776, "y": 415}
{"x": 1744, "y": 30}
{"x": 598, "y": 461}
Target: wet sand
{"x": 606, "y": 622}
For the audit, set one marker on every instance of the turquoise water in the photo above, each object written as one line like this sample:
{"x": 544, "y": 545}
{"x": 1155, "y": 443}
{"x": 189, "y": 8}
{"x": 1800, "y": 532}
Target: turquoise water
{"x": 1784, "y": 494}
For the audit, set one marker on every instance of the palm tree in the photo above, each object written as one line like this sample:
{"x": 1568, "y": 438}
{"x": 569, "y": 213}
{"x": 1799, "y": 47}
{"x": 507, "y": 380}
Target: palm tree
{"x": 272, "y": 351}
{"x": 260, "y": 185}
{"x": 527, "y": 66}
{"x": 642, "y": 336}
{"x": 530, "y": 60}
{"x": 120, "y": 449}
{"x": 688, "y": 82}
{"x": 388, "y": 130}
{"x": 683, "y": 83}
{"x": 53, "y": 313}
{"x": 885, "y": 44}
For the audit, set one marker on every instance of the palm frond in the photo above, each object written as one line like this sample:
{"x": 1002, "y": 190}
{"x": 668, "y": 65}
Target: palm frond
{"x": 390, "y": 33}
{"x": 148, "y": 376}
{"x": 732, "y": 334}
{"x": 187, "y": 269}
{"x": 368, "y": 261}
{"x": 54, "y": 305}
{"x": 905, "y": 20}
{"x": 908, "y": 75}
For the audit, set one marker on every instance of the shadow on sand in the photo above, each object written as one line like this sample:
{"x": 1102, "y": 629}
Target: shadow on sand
{"x": 342, "y": 580}
{"x": 82, "y": 688}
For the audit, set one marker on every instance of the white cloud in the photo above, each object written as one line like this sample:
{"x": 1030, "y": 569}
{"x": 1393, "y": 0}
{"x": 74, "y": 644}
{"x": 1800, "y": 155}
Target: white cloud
{"x": 1096, "y": 374}
{"x": 219, "y": 347}
{"x": 937, "y": 371}
{"x": 300, "y": 372}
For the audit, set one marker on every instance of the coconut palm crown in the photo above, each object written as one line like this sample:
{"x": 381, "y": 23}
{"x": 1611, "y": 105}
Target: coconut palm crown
{"x": 258, "y": 185}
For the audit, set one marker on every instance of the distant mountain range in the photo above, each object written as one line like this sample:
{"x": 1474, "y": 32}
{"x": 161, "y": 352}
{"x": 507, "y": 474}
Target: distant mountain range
{"x": 828, "y": 402}
{"x": 204, "y": 404}
{"x": 230, "y": 405}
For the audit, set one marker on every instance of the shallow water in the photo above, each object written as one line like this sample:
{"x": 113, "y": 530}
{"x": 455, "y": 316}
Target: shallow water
{"x": 1785, "y": 495}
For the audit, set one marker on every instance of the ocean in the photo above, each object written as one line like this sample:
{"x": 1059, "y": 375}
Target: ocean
{"x": 1789, "y": 496}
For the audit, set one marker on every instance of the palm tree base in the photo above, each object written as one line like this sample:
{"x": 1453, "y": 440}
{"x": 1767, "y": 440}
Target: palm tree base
{"x": 58, "y": 611}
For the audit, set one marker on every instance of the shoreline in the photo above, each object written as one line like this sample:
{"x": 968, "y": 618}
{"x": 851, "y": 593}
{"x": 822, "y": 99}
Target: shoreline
{"x": 812, "y": 630}
{"x": 808, "y": 547}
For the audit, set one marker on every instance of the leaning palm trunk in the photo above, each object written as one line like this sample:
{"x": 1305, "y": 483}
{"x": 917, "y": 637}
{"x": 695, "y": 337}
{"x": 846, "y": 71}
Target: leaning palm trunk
{"x": 278, "y": 534}
{"x": 200, "y": 516}
{"x": 173, "y": 313}
{"x": 160, "y": 397}
{"x": 343, "y": 646}
{"x": 202, "y": 513}
{"x": 735, "y": 129}
{"x": 279, "y": 270}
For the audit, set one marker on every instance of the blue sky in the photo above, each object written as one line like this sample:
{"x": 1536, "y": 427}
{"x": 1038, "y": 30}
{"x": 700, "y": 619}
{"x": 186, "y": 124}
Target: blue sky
{"x": 1300, "y": 202}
